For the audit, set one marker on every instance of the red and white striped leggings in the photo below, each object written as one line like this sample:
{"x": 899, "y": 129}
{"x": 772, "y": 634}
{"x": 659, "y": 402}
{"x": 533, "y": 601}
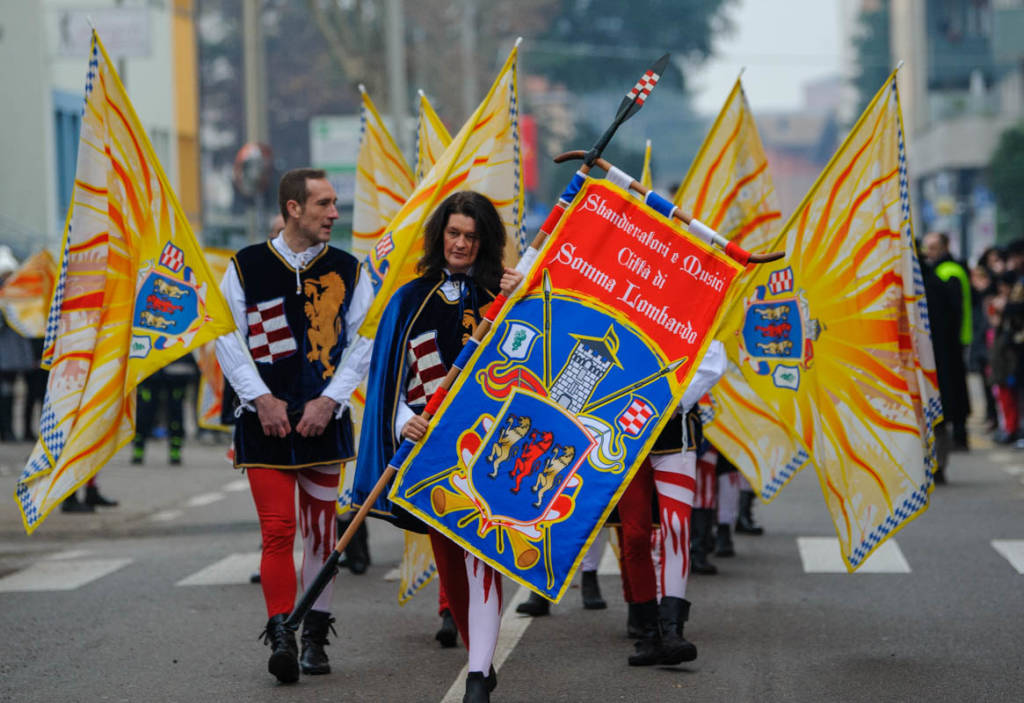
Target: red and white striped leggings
{"x": 273, "y": 491}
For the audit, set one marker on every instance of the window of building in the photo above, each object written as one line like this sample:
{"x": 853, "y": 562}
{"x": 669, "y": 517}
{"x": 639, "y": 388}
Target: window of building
{"x": 67, "y": 123}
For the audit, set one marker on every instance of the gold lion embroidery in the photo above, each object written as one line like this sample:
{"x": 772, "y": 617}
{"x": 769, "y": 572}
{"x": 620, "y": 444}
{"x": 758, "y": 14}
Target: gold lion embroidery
{"x": 325, "y": 295}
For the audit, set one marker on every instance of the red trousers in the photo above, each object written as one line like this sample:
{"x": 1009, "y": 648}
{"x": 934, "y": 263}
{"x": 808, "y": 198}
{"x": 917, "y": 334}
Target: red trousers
{"x": 638, "y": 583}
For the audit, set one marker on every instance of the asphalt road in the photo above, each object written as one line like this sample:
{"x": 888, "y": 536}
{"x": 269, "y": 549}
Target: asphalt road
{"x": 156, "y": 606}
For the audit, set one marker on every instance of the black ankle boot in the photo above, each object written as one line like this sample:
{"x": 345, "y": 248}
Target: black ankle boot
{"x": 535, "y": 605}
{"x": 314, "y": 639}
{"x": 723, "y": 541}
{"x": 745, "y": 522}
{"x": 71, "y": 504}
{"x": 648, "y": 647}
{"x": 284, "y": 657}
{"x": 700, "y": 526}
{"x": 672, "y": 613}
{"x": 633, "y": 629}
{"x": 448, "y": 634}
{"x": 93, "y": 497}
{"x": 477, "y": 688}
{"x": 591, "y": 592}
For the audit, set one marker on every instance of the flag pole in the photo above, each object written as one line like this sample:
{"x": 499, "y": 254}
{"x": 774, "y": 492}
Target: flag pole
{"x": 694, "y": 226}
{"x": 628, "y": 107}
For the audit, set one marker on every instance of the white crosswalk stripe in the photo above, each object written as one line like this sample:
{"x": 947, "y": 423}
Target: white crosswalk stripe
{"x": 821, "y": 555}
{"x": 60, "y": 574}
{"x": 1012, "y": 550}
{"x": 232, "y": 569}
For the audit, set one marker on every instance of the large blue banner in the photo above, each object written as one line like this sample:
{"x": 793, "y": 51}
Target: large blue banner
{"x": 549, "y": 419}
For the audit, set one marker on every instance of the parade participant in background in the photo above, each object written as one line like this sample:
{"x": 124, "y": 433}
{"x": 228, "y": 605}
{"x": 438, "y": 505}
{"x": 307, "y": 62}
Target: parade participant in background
{"x": 15, "y": 356}
{"x": 590, "y": 589}
{"x": 956, "y": 403}
{"x": 166, "y": 388}
{"x": 298, "y": 303}
{"x": 670, "y": 472}
{"x": 422, "y": 330}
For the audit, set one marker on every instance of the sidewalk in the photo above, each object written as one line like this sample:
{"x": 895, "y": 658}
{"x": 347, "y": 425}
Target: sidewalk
{"x": 141, "y": 490}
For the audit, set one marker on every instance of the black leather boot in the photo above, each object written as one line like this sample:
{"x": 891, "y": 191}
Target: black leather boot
{"x": 673, "y": 612}
{"x": 745, "y": 522}
{"x": 357, "y": 553}
{"x": 591, "y": 592}
{"x": 648, "y": 647}
{"x": 93, "y": 497}
{"x": 314, "y": 639}
{"x": 633, "y": 630}
{"x": 71, "y": 504}
{"x": 284, "y": 656}
{"x": 700, "y": 526}
{"x": 534, "y": 605}
{"x": 448, "y": 634}
{"x": 478, "y": 688}
{"x": 723, "y": 541}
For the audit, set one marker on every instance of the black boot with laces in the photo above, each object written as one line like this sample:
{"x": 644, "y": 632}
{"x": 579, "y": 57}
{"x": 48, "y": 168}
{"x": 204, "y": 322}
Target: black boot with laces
{"x": 314, "y": 639}
{"x": 284, "y": 657}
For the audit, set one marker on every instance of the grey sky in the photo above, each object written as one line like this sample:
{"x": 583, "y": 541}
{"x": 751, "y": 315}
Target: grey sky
{"x": 782, "y": 44}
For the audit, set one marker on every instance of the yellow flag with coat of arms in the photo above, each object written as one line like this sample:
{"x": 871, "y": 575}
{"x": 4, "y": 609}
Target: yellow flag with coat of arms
{"x": 729, "y": 188}
{"x": 133, "y": 294}
{"x": 835, "y": 340}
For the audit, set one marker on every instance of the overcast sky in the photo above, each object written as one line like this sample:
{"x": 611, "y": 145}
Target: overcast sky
{"x": 782, "y": 44}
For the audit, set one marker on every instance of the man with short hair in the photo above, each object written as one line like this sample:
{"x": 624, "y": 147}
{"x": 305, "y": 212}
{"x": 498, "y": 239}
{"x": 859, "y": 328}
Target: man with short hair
{"x": 955, "y": 403}
{"x": 298, "y": 304}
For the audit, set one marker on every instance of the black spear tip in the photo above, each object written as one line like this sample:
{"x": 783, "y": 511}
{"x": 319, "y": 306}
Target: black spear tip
{"x": 661, "y": 64}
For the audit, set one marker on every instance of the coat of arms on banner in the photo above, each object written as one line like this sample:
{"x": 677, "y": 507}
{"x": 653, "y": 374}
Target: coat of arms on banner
{"x": 170, "y": 305}
{"x": 778, "y": 334}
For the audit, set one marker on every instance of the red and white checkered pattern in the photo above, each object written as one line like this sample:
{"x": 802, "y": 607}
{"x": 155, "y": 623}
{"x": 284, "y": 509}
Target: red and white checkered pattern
{"x": 427, "y": 369}
{"x": 384, "y": 246}
{"x": 633, "y": 418}
{"x": 643, "y": 87}
{"x": 781, "y": 281}
{"x": 270, "y": 338}
{"x": 172, "y": 257}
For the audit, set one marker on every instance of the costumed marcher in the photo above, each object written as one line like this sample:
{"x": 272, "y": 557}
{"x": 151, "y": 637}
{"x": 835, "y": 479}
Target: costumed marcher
{"x": 728, "y": 506}
{"x": 422, "y": 330}
{"x": 702, "y": 517}
{"x": 166, "y": 388}
{"x": 669, "y": 471}
{"x": 298, "y": 304}
{"x": 956, "y": 402}
{"x": 745, "y": 522}
{"x": 16, "y": 356}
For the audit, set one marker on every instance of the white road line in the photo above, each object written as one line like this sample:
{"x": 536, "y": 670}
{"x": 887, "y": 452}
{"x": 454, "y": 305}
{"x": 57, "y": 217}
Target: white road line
{"x": 203, "y": 499}
{"x": 60, "y": 574}
{"x": 821, "y": 555}
{"x": 232, "y": 569}
{"x": 70, "y": 554}
{"x": 166, "y": 515}
{"x": 235, "y": 486}
{"x": 1014, "y": 470}
{"x": 1012, "y": 550}
{"x": 394, "y": 575}
{"x": 513, "y": 625}
{"x": 1001, "y": 456}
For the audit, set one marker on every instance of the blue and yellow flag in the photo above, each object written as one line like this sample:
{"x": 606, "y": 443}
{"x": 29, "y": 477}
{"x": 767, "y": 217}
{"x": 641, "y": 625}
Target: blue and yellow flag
{"x": 484, "y": 156}
{"x": 729, "y": 188}
{"x": 552, "y": 413}
{"x": 133, "y": 294}
{"x": 835, "y": 340}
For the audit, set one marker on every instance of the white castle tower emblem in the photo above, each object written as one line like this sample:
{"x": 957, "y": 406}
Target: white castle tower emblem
{"x": 590, "y": 360}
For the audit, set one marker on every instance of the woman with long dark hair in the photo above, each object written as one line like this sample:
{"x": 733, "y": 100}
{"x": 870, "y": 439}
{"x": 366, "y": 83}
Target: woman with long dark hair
{"x": 422, "y": 330}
